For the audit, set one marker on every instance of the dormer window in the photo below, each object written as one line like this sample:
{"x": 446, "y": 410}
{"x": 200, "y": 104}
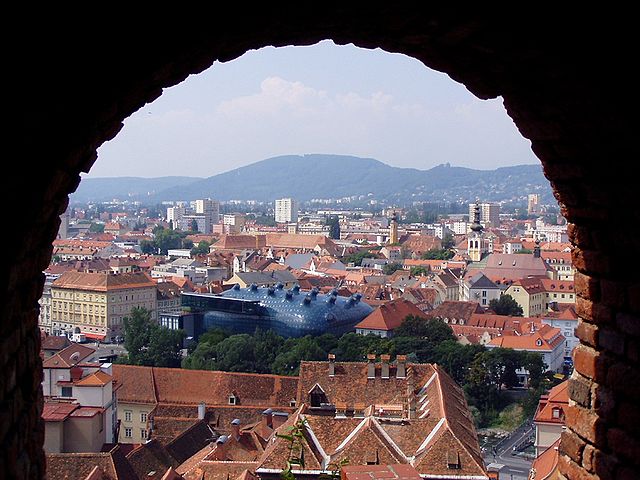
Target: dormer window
{"x": 539, "y": 342}
{"x": 292, "y": 403}
{"x": 556, "y": 412}
{"x": 233, "y": 400}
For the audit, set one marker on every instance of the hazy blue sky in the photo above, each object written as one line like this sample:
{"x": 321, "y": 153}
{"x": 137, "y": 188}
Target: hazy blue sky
{"x": 319, "y": 99}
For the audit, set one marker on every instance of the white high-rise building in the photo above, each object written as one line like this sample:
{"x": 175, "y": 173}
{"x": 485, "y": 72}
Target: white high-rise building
{"x": 489, "y": 214}
{"x": 286, "y": 210}
{"x": 175, "y": 214}
{"x": 209, "y": 207}
{"x": 533, "y": 203}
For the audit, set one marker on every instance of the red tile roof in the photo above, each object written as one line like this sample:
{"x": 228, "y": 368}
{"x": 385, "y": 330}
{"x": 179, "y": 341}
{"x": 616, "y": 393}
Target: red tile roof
{"x": 190, "y": 387}
{"x": 96, "y": 379}
{"x": 54, "y": 411}
{"x": 451, "y": 309}
{"x": 545, "y": 338}
{"x": 68, "y": 357}
{"x": 546, "y": 463}
{"x": 438, "y": 427}
{"x": 379, "y": 472}
{"x": 560, "y": 286}
{"x": 103, "y": 281}
{"x": 53, "y": 342}
{"x": 390, "y": 315}
{"x": 558, "y": 398}
{"x": 110, "y": 465}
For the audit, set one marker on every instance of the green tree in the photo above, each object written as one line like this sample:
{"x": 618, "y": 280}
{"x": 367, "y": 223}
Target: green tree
{"x": 166, "y": 240}
{"x": 534, "y": 364}
{"x": 96, "y": 228}
{"x": 354, "y": 348}
{"x": 356, "y": 258}
{"x": 266, "y": 348}
{"x": 334, "y": 222}
{"x": 455, "y": 358}
{"x": 201, "y": 249}
{"x": 266, "y": 221}
{"x": 288, "y": 361}
{"x": 433, "y": 330}
{"x": 187, "y": 244}
{"x": 437, "y": 254}
{"x": 506, "y": 305}
{"x": 147, "y": 343}
{"x": 448, "y": 241}
{"x": 525, "y": 251}
{"x": 389, "y": 268}
{"x": 236, "y": 354}
{"x": 147, "y": 247}
{"x": 418, "y": 271}
{"x": 194, "y": 226}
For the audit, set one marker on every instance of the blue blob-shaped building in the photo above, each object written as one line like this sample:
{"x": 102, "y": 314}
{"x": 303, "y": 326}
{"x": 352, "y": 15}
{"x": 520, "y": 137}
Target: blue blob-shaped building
{"x": 289, "y": 312}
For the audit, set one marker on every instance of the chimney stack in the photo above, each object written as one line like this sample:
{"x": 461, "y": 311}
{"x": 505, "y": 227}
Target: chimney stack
{"x": 202, "y": 408}
{"x": 279, "y": 418}
{"x": 267, "y": 418}
{"x": 371, "y": 367}
{"x": 332, "y": 364}
{"x": 220, "y": 452}
{"x": 385, "y": 365}
{"x": 235, "y": 428}
{"x": 401, "y": 368}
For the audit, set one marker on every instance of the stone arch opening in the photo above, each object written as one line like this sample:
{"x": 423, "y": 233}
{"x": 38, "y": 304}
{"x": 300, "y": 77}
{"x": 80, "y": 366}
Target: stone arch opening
{"x": 578, "y": 119}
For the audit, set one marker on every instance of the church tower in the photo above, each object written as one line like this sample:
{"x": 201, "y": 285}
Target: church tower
{"x": 393, "y": 229}
{"x": 475, "y": 241}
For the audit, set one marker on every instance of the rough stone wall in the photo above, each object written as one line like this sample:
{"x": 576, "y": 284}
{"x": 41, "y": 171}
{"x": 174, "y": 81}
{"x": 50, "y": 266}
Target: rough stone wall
{"x": 563, "y": 82}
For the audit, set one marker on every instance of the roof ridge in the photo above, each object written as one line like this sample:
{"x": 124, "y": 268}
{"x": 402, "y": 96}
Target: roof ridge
{"x": 155, "y": 386}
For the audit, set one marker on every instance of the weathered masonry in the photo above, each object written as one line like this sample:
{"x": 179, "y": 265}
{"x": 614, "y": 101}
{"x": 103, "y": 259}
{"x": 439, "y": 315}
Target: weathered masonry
{"x": 564, "y": 81}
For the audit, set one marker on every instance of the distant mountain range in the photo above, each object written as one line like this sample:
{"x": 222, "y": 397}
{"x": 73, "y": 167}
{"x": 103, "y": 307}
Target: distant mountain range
{"x": 306, "y": 177}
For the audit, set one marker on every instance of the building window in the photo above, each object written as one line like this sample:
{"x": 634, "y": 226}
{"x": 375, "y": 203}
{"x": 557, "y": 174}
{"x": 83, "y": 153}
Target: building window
{"x": 143, "y": 417}
{"x": 232, "y": 399}
{"x": 556, "y": 412}
{"x": 143, "y": 434}
{"x": 127, "y": 415}
{"x": 128, "y": 432}
{"x": 66, "y": 392}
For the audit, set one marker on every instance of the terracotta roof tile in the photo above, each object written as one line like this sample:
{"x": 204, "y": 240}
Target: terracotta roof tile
{"x": 558, "y": 398}
{"x": 96, "y": 379}
{"x": 390, "y": 315}
{"x": 150, "y": 461}
{"x": 54, "y": 342}
{"x": 57, "y": 411}
{"x": 451, "y": 309}
{"x": 546, "y": 463}
{"x": 103, "y": 281}
{"x": 72, "y": 466}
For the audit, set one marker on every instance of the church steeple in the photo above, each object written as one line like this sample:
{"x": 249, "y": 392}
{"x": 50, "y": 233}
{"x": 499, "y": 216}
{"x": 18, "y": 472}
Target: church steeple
{"x": 393, "y": 229}
{"x": 475, "y": 242}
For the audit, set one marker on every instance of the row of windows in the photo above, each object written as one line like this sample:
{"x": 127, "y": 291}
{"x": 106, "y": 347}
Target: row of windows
{"x": 128, "y": 414}
{"x": 128, "y": 433}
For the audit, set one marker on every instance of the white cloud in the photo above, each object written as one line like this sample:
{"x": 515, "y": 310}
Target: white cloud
{"x": 289, "y": 117}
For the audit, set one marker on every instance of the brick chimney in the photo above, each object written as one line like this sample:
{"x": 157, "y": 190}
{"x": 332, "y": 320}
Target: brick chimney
{"x": 235, "y": 428}
{"x": 401, "y": 366}
{"x": 220, "y": 453}
{"x": 76, "y": 373}
{"x": 385, "y": 365}
{"x": 279, "y": 418}
{"x": 371, "y": 367}
{"x": 267, "y": 418}
{"x": 332, "y": 364}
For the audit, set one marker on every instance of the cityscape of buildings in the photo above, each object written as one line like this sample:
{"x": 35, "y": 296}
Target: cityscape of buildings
{"x": 200, "y": 265}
